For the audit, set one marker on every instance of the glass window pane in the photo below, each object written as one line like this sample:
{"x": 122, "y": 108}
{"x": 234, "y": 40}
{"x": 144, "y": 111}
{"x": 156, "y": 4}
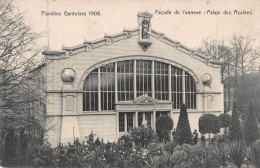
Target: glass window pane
{"x": 121, "y": 122}
{"x": 161, "y": 80}
{"x": 130, "y": 121}
{"x": 125, "y": 80}
{"x": 140, "y": 118}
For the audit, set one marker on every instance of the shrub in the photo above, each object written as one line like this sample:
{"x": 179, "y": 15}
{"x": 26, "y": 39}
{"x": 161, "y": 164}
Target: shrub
{"x": 224, "y": 121}
{"x": 155, "y": 149}
{"x": 164, "y": 125}
{"x": 207, "y": 156}
{"x": 252, "y": 154}
{"x": 170, "y": 146}
{"x": 184, "y": 157}
{"x": 135, "y": 161}
{"x": 251, "y": 126}
{"x": 237, "y": 153}
{"x": 183, "y": 131}
{"x": 9, "y": 148}
{"x": 126, "y": 142}
{"x": 197, "y": 156}
{"x": 223, "y": 152}
{"x": 235, "y": 132}
{"x": 142, "y": 136}
{"x": 203, "y": 140}
{"x": 209, "y": 123}
{"x": 164, "y": 160}
{"x": 42, "y": 155}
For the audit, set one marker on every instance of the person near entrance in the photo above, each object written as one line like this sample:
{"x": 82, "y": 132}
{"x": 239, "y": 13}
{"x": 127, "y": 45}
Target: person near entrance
{"x": 195, "y": 137}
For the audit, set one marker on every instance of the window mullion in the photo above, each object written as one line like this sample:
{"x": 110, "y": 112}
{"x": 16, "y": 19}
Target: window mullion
{"x": 170, "y": 82}
{"x": 190, "y": 90}
{"x": 153, "y": 91}
{"x": 125, "y": 82}
{"x": 134, "y": 79}
{"x": 99, "y": 91}
{"x": 183, "y": 87}
{"x": 116, "y": 98}
{"x": 125, "y": 119}
{"x": 143, "y": 77}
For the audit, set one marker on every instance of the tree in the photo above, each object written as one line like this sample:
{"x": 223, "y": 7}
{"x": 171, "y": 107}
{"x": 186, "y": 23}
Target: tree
{"x": 209, "y": 123}
{"x": 164, "y": 125}
{"x": 218, "y": 50}
{"x": 238, "y": 57}
{"x": 9, "y": 151}
{"x": 20, "y": 103}
{"x": 224, "y": 120}
{"x": 244, "y": 54}
{"x": 235, "y": 132}
{"x": 183, "y": 131}
{"x": 251, "y": 130}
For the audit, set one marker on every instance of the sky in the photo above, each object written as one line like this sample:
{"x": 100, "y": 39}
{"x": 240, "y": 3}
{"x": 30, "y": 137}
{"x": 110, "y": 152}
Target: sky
{"x": 115, "y": 15}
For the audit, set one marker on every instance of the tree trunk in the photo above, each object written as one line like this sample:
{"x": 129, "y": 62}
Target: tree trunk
{"x": 229, "y": 91}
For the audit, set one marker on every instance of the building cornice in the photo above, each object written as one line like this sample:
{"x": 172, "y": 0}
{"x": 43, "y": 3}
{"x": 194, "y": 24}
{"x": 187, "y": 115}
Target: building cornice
{"x": 87, "y": 46}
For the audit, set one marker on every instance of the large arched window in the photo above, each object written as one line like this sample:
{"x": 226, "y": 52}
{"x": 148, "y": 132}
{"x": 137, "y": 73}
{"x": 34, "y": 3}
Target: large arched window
{"x": 126, "y": 80}
{"x": 90, "y": 95}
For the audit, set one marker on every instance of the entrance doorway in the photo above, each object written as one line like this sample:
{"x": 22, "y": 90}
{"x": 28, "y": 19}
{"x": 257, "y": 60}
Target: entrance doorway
{"x": 126, "y": 120}
{"x": 145, "y": 118}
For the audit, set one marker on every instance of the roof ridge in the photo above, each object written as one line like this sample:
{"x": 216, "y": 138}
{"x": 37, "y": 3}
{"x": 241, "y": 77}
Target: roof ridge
{"x": 126, "y": 33}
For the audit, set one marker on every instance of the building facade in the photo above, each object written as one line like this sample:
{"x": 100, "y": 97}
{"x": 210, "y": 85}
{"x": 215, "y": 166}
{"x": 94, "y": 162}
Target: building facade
{"x": 124, "y": 80}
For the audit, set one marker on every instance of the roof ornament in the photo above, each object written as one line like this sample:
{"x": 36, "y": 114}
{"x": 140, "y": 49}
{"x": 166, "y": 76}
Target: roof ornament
{"x": 161, "y": 36}
{"x": 144, "y": 24}
{"x": 127, "y": 34}
{"x": 67, "y": 55}
{"x": 178, "y": 44}
{"x": 88, "y": 47}
{"x": 108, "y": 40}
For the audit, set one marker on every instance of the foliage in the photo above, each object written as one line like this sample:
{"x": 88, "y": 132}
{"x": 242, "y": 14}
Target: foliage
{"x": 95, "y": 153}
{"x": 18, "y": 97}
{"x": 197, "y": 156}
{"x": 203, "y": 139}
{"x": 209, "y": 123}
{"x": 183, "y": 156}
{"x": 251, "y": 126}
{"x": 224, "y": 120}
{"x": 77, "y": 154}
{"x": 183, "y": 131}
{"x": 222, "y": 139}
{"x": 126, "y": 142}
{"x": 9, "y": 151}
{"x": 135, "y": 160}
{"x": 170, "y": 146}
{"x": 238, "y": 56}
{"x": 42, "y": 155}
{"x": 222, "y": 149}
{"x": 164, "y": 125}
{"x": 142, "y": 136}
{"x": 207, "y": 156}
{"x": 237, "y": 153}
{"x": 252, "y": 154}
{"x": 235, "y": 132}
{"x": 15, "y": 147}
{"x": 164, "y": 160}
